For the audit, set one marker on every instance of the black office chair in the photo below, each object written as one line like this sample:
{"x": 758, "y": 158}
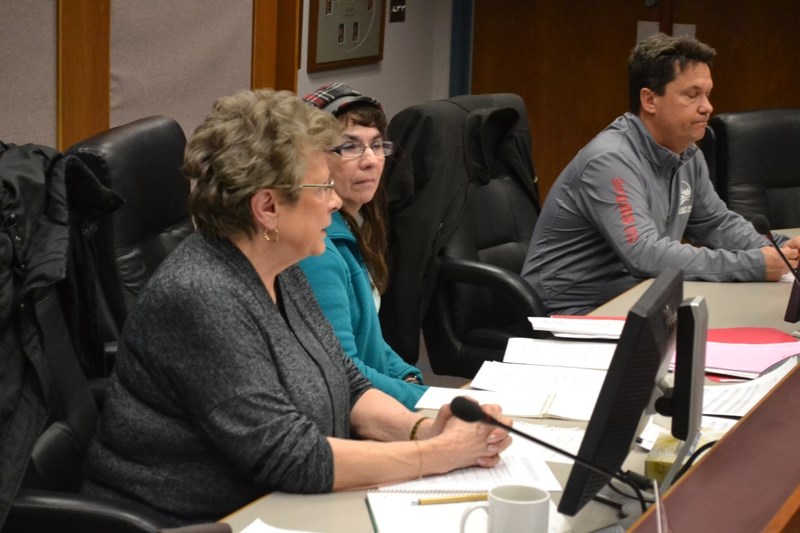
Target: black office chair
{"x": 48, "y": 412}
{"x": 48, "y": 499}
{"x": 463, "y": 203}
{"x": 756, "y": 163}
{"x": 141, "y": 161}
{"x": 708, "y": 146}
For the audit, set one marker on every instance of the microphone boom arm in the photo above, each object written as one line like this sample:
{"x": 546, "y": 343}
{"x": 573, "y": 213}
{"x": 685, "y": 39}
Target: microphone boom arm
{"x": 469, "y": 411}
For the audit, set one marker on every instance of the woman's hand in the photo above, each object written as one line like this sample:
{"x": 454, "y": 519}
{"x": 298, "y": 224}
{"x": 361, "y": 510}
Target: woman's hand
{"x": 457, "y": 444}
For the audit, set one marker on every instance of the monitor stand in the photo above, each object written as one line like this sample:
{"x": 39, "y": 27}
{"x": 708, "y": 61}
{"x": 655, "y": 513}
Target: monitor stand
{"x": 690, "y": 367}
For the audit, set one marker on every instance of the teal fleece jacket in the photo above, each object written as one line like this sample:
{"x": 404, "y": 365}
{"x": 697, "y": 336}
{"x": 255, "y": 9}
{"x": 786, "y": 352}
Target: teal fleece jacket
{"x": 341, "y": 283}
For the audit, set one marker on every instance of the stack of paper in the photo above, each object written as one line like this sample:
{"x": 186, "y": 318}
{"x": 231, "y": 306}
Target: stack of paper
{"x": 741, "y": 352}
{"x": 747, "y": 360}
{"x": 579, "y": 327}
{"x": 736, "y": 399}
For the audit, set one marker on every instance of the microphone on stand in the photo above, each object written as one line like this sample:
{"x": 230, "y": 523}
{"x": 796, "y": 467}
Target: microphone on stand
{"x": 761, "y": 225}
{"x": 469, "y": 411}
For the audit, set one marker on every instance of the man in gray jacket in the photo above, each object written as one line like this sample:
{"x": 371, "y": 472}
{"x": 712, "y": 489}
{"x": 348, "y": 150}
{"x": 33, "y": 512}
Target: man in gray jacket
{"x": 638, "y": 199}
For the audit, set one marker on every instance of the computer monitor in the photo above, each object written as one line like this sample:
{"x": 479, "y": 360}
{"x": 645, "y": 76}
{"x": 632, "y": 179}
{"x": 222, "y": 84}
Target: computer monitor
{"x": 793, "y": 307}
{"x": 640, "y": 361}
{"x": 684, "y": 401}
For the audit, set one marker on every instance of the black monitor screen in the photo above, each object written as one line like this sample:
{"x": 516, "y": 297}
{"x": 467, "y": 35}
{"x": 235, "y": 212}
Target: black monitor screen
{"x": 793, "y": 307}
{"x": 640, "y": 361}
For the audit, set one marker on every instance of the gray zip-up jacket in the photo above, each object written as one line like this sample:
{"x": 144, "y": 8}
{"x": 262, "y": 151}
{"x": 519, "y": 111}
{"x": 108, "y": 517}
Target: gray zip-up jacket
{"x": 620, "y": 211}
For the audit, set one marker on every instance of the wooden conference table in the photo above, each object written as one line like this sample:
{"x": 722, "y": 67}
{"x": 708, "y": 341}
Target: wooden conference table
{"x": 729, "y": 305}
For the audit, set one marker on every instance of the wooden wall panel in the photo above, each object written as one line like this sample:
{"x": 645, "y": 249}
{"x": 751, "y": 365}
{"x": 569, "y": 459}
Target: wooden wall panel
{"x": 567, "y": 59}
{"x": 83, "y": 66}
{"x": 288, "y": 44}
{"x": 276, "y": 46}
{"x": 757, "y": 43}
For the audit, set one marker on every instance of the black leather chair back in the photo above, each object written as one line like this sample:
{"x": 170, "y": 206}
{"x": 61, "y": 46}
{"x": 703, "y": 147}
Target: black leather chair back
{"x": 708, "y": 146}
{"x": 142, "y": 162}
{"x": 48, "y": 499}
{"x": 477, "y": 160}
{"x": 57, "y": 458}
{"x": 49, "y": 407}
{"x": 756, "y": 163}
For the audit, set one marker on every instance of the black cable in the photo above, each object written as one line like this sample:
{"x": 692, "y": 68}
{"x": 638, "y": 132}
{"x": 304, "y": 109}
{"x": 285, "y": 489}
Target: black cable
{"x": 692, "y": 458}
{"x": 606, "y": 501}
{"x": 686, "y": 466}
{"x": 638, "y": 494}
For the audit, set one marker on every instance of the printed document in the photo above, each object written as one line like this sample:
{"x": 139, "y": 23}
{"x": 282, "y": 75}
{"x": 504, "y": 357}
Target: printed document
{"x": 549, "y": 352}
{"x": 736, "y": 399}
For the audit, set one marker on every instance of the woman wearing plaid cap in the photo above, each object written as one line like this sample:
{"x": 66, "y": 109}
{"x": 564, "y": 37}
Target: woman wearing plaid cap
{"x": 350, "y": 276}
{"x": 229, "y": 382}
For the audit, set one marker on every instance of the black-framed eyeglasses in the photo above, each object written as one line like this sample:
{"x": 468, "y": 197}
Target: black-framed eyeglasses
{"x": 351, "y": 150}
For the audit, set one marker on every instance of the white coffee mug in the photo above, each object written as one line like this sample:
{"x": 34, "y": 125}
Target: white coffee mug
{"x": 514, "y": 509}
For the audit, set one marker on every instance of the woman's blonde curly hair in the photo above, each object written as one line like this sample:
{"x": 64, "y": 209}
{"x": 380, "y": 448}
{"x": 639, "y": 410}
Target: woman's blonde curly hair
{"x": 250, "y": 141}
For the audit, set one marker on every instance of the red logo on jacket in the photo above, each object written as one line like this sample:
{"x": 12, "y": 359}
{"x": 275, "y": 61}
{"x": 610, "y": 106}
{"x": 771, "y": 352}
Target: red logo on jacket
{"x": 625, "y": 210}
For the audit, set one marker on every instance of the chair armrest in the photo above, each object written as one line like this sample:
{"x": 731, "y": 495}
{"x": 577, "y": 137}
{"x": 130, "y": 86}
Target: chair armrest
{"x": 509, "y": 284}
{"x": 38, "y": 510}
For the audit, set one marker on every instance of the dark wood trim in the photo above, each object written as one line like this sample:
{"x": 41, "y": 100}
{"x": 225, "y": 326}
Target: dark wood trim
{"x": 276, "y": 39}
{"x": 665, "y": 16}
{"x": 788, "y": 517}
{"x": 264, "y": 53}
{"x": 83, "y": 69}
{"x": 290, "y": 16}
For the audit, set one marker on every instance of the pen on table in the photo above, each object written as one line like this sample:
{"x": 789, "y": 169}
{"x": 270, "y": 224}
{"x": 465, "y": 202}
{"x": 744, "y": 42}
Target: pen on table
{"x": 478, "y": 497}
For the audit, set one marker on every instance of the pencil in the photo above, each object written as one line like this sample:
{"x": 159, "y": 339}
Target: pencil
{"x": 478, "y": 497}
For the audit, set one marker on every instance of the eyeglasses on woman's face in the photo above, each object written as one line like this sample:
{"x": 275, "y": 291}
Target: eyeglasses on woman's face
{"x": 351, "y": 150}
{"x": 320, "y": 189}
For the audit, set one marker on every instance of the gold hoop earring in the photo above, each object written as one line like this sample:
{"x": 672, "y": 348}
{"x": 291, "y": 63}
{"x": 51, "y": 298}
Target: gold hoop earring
{"x": 271, "y": 235}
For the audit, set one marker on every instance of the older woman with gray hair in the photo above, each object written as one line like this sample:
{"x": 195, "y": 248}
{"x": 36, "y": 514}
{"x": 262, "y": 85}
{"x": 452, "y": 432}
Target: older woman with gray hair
{"x": 229, "y": 382}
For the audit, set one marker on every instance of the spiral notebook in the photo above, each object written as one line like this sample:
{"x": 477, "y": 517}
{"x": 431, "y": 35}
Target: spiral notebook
{"x": 394, "y": 508}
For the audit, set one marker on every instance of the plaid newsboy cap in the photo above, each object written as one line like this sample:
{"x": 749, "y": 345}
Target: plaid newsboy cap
{"x": 337, "y": 97}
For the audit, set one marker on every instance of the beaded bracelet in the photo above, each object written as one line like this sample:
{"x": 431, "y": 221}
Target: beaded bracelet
{"x": 415, "y": 427}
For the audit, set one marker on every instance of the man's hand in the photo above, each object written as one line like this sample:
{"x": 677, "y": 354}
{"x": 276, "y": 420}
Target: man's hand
{"x": 792, "y": 243}
{"x": 775, "y": 266}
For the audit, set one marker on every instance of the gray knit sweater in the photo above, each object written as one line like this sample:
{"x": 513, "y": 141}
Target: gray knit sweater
{"x": 217, "y": 398}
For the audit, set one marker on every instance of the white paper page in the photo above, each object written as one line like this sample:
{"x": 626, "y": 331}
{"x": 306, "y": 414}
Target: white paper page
{"x": 548, "y": 352}
{"x": 513, "y": 404}
{"x": 257, "y": 526}
{"x": 568, "y": 439}
{"x": 720, "y": 425}
{"x": 570, "y": 392}
{"x": 596, "y": 328}
{"x": 736, "y": 399}
{"x": 647, "y": 438}
{"x": 509, "y": 471}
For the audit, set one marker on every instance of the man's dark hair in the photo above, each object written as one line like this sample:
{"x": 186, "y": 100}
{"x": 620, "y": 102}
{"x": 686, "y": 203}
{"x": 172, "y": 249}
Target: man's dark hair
{"x": 653, "y": 61}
